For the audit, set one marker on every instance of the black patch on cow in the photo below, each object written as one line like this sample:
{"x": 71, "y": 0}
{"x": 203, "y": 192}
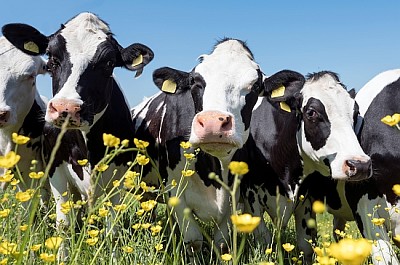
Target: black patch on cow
{"x": 58, "y": 64}
{"x": 33, "y": 123}
{"x": 317, "y": 126}
{"x": 381, "y": 141}
{"x": 206, "y": 164}
{"x": 197, "y": 85}
{"x": 250, "y": 101}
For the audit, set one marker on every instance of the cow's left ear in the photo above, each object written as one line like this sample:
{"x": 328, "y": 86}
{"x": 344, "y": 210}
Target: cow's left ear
{"x": 284, "y": 88}
{"x": 352, "y": 93}
{"x": 26, "y": 38}
{"x": 136, "y": 57}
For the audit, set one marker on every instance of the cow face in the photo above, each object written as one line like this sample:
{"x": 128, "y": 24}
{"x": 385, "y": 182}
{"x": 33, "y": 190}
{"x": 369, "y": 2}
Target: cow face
{"x": 18, "y": 73}
{"x": 82, "y": 56}
{"x": 326, "y": 137}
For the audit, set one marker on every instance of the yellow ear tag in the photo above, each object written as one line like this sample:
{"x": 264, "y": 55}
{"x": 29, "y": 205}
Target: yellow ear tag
{"x": 138, "y": 60}
{"x": 169, "y": 86}
{"x": 284, "y": 106}
{"x": 279, "y": 92}
{"x": 31, "y": 46}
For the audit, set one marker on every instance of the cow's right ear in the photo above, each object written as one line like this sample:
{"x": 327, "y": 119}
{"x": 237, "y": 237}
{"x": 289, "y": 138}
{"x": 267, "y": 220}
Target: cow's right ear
{"x": 284, "y": 88}
{"x": 26, "y": 38}
{"x": 170, "y": 80}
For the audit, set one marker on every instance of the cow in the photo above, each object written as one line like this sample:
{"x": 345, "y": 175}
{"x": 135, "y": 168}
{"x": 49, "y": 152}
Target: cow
{"x": 210, "y": 107}
{"x": 82, "y": 55}
{"x": 295, "y": 137}
{"x": 22, "y": 112}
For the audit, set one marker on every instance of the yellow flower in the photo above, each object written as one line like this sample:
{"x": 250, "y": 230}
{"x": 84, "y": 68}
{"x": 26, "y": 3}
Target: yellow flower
{"x": 391, "y": 120}
{"x": 9, "y": 160}
{"x": 4, "y": 213}
{"x": 186, "y": 145}
{"x": 36, "y": 247}
{"x": 7, "y": 248}
{"x": 351, "y": 251}
{"x": 146, "y": 188}
{"x": 116, "y": 183}
{"x": 93, "y": 232}
{"x": 24, "y": 196}
{"x": 226, "y": 257}
{"x": 67, "y": 206}
{"x": 103, "y": 212}
{"x": 101, "y": 167}
{"x": 136, "y": 226}
{"x": 268, "y": 251}
{"x": 378, "y": 221}
{"x": 82, "y": 162}
{"x": 48, "y": 257}
{"x": 145, "y": 225}
{"x": 318, "y": 207}
{"x": 173, "y": 201}
{"x": 120, "y": 207}
{"x": 301, "y": 198}
{"x": 189, "y": 156}
{"x": 4, "y": 261}
{"x": 125, "y": 143}
{"x": 7, "y": 177}
{"x": 245, "y": 222}
{"x": 19, "y": 139}
{"x": 127, "y": 249}
{"x": 396, "y": 189}
{"x": 288, "y": 247}
{"x": 14, "y": 182}
{"x": 148, "y": 205}
{"x": 110, "y": 140}
{"x": 140, "y": 144}
{"x": 92, "y": 241}
{"x": 173, "y": 183}
{"x": 238, "y": 168}
{"x": 159, "y": 247}
{"x": 155, "y": 229}
{"x": 23, "y": 227}
{"x": 187, "y": 173}
{"x": 325, "y": 260}
{"x": 36, "y": 175}
{"x": 138, "y": 197}
{"x": 53, "y": 242}
{"x": 142, "y": 160}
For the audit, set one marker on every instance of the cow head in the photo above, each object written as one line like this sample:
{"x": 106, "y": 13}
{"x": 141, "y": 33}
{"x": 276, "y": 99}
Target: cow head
{"x": 81, "y": 58}
{"x": 224, "y": 87}
{"x": 18, "y": 72}
{"x": 326, "y": 136}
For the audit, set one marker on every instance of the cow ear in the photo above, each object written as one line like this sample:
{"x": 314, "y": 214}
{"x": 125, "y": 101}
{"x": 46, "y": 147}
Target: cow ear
{"x": 352, "y": 93}
{"x": 284, "y": 88}
{"x": 136, "y": 57}
{"x": 170, "y": 80}
{"x": 26, "y": 38}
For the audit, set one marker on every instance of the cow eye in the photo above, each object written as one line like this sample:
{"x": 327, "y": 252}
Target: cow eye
{"x": 311, "y": 114}
{"x": 110, "y": 64}
{"x": 52, "y": 64}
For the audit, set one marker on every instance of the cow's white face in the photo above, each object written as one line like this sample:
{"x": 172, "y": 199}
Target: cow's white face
{"x": 224, "y": 95}
{"x": 18, "y": 73}
{"x": 326, "y": 135}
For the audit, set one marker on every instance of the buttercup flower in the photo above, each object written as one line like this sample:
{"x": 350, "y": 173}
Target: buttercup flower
{"x": 4, "y": 261}
{"x": 391, "y": 120}
{"x": 4, "y": 213}
{"x": 127, "y": 249}
{"x": 48, "y": 257}
{"x": 268, "y": 251}
{"x": 186, "y": 145}
{"x": 142, "y": 159}
{"x": 238, "y": 168}
{"x": 351, "y": 251}
{"x": 378, "y": 221}
{"x": 101, "y": 167}
{"x": 145, "y": 225}
{"x": 103, "y": 212}
{"x": 318, "y": 207}
{"x": 9, "y": 160}
{"x": 288, "y": 247}
{"x": 120, "y": 207}
{"x": 226, "y": 257}
{"x": 140, "y": 144}
{"x": 125, "y": 143}
{"x": 36, "y": 247}
{"x": 187, "y": 173}
{"x": 23, "y": 227}
{"x": 53, "y": 242}
{"x": 159, "y": 247}
{"x": 93, "y": 233}
{"x": 396, "y": 189}
{"x": 110, "y": 140}
{"x": 245, "y": 222}
{"x": 36, "y": 175}
{"x": 148, "y": 205}
{"x": 7, "y": 177}
{"x": 19, "y": 139}
{"x": 7, "y": 248}
{"x": 92, "y": 241}
{"x": 24, "y": 196}
{"x": 155, "y": 229}
{"x": 173, "y": 201}
{"x": 82, "y": 162}
{"x": 67, "y": 206}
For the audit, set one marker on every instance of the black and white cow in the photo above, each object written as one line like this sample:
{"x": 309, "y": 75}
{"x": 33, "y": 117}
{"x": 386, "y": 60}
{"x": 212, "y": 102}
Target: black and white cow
{"x": 82, "y": 55}
{"x": 210, "y": 107}
{"x": 295, "y": 137}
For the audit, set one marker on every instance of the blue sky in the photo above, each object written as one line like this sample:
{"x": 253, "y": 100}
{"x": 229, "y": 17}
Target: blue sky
{"x": 356, "y": 39}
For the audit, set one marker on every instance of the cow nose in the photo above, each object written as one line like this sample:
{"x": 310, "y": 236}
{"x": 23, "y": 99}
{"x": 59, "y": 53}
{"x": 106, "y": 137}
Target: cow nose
{"x": 58, "y": 110}
{"x": 4, "y": 117}
{"x": 358, "y": 169}
{"x": 213, "y": 126}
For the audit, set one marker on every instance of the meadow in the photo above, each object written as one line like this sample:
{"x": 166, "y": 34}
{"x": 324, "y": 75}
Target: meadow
{"x": 146, "y": 230}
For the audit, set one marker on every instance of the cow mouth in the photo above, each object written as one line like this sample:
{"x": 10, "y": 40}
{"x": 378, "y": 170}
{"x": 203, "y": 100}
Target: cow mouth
{"x": 218, "y": 148}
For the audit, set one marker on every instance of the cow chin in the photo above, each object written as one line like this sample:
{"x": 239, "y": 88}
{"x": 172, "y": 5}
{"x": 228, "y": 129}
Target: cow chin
{"x": 219, "y": 150}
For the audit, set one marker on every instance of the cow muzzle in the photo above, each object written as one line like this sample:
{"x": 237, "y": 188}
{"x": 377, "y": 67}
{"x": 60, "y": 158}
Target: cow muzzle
{"x": 59, "y": 109}
{"x": 358, "y": 169}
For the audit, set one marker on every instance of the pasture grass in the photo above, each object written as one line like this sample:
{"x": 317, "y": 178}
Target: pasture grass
{"x": 146, "y": 233}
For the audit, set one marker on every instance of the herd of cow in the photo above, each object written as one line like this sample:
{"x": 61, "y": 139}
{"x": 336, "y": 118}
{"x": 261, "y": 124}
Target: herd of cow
{"x": 308, "y": 136}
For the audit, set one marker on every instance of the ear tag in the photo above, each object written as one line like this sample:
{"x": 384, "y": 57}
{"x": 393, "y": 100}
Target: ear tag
{"x": 279, "y": 92}
{"x": 31, "y": 46}
{"x": 138, "y": 60}
{"x": 169, "y": 86}
{"x": 284, "y": 106}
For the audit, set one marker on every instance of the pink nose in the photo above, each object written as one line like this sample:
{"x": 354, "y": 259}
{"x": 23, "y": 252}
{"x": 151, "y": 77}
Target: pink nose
{"x": 4, "y": 117}
{"x": 213, "y": 126}
{"x": 59, "y": 109}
